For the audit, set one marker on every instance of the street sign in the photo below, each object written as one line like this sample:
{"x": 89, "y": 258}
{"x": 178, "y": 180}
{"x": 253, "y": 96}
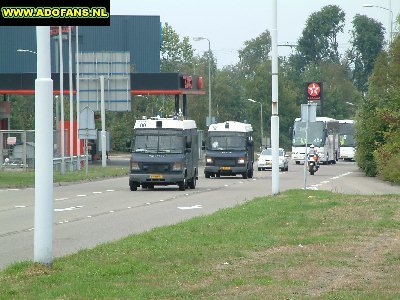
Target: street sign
{"x": 309, "y": 112}
{"x": 87, "y": 129}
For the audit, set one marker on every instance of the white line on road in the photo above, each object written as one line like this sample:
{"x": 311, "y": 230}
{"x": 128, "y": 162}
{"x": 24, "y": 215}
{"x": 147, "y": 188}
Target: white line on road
{"x": 61, "y": 199}
{"x": 190, "y": 207}
{"x": 67, "y": 208}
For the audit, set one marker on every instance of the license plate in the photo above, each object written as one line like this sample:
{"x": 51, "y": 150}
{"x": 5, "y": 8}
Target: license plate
{"x": 225, "y": 168}
{"x": 156, "y": 177}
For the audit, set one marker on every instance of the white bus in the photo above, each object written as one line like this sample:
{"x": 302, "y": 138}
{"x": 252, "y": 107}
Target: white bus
{"x": 323, "y": 134}
{"x": 347, "y": 140}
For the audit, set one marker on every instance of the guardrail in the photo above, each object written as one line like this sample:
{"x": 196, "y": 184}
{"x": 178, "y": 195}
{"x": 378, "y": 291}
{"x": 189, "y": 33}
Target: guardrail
{"x": 57, "y": 161}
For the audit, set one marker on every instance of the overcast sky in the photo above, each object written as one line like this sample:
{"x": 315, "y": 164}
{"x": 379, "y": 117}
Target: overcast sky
{"x": 229, "y": 23}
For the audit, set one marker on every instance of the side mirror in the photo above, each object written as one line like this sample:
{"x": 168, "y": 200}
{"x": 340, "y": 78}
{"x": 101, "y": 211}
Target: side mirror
{"x": 128, "y": 144}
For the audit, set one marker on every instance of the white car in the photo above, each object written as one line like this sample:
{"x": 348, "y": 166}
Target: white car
{"x": 265, "y": 160}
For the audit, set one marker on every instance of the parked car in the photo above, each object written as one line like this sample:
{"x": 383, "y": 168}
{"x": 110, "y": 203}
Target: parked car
{"x": 265, "y": 160}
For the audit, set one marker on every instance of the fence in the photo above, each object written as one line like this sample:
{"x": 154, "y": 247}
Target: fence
{"x": 17, "y": 149}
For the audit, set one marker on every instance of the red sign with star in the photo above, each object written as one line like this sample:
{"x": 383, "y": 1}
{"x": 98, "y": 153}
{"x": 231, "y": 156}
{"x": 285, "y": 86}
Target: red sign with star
{"x": 313, "y": 91}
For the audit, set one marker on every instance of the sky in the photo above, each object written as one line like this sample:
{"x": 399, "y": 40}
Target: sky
{"x": 229, "y": 23}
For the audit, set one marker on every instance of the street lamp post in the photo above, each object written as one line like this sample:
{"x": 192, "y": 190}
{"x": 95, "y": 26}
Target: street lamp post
{"x": 261, "y": 120}
{"x": 209, "y": 75}
{"x": 390, "y": 17}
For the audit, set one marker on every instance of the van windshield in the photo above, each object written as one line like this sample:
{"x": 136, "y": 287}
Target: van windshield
{"x": 224, "y": 141}
{"x": 158, "y": 141}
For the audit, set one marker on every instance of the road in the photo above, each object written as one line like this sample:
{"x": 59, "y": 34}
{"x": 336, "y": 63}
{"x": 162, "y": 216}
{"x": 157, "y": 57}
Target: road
{"x": 90, "y": 213}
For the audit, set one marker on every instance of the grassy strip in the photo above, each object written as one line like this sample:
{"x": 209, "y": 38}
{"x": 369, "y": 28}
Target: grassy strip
{"x": 300, "y": 244}
{"x": 20, "y": 178}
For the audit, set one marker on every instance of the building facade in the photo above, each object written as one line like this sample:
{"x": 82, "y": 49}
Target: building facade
{"x": 139, "y": 35}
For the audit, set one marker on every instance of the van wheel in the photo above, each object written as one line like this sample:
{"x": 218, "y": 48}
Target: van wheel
{"x": 244, "y": 175}
{"x": 182, "y": 185}
{"x": 132, "y": 186}
{"x": 192, "y": 183}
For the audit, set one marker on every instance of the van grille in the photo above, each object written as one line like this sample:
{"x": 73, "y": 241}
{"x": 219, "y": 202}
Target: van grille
{"x": 230, "y": 162}
{"x": 155, "y": 168}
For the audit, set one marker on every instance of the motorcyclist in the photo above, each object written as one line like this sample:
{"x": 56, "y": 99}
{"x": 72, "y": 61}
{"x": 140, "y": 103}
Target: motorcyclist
{"x": 313, "y": 150}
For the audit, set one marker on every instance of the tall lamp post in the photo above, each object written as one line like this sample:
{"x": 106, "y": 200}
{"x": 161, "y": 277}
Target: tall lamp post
{"x": 390, "y": 16}
{"x": 261, "y": 120}
{"x": 199, "y": 38}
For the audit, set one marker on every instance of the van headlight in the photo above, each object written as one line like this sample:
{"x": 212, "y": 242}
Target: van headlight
{"x": 241, "y": 160}
{"x": 178, "y": 166}
{"x": 135, "y": 166}
{"x": 209, "y": 160}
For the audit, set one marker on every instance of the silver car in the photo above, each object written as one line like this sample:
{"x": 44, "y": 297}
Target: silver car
{"x": 265, "y": 160}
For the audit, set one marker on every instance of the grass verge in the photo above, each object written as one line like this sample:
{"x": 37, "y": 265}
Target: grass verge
{"x": 20, "y": 178}
{"x": 298, "y": 245}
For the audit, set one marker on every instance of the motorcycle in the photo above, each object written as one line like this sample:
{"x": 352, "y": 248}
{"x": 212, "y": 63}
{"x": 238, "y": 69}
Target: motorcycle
{"x": 312, "y": 162}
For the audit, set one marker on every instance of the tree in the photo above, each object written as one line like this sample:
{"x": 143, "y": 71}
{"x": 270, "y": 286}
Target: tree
{"x": 367, "y": 43}
{"x": 176, "y": 55}
{"x": 254, "y": 53}
{"x": 378, "y": 119}
{"x": 319, "y": 38}
{"x": 22, "y": 112}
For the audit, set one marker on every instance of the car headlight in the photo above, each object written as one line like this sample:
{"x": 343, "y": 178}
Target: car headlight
{"x": 135, "y": 166}
{"x": 178, "y": 166}
{"x": 209, "y": 160}
{"x": 241, "y": 160}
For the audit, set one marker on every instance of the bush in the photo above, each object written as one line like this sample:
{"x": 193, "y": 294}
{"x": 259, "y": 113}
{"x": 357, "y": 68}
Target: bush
{"x": 387, "y": 156}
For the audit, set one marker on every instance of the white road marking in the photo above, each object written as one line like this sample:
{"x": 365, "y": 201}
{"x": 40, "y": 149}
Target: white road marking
{"x": 19, "y": 206}
{"x": 312, "y": 188}
{"x": 110, "y": 190}
{"x": 67, "y": 208}
{"x": 13, "y": 189}
{"x": 325, "y": 181}
{"x": 336, "y": 177}
{"x": 190, "y": 207}
{"x": 97, "y": 192}
{"x": 61, "y": 199}
{"x": 82, "y": 195}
